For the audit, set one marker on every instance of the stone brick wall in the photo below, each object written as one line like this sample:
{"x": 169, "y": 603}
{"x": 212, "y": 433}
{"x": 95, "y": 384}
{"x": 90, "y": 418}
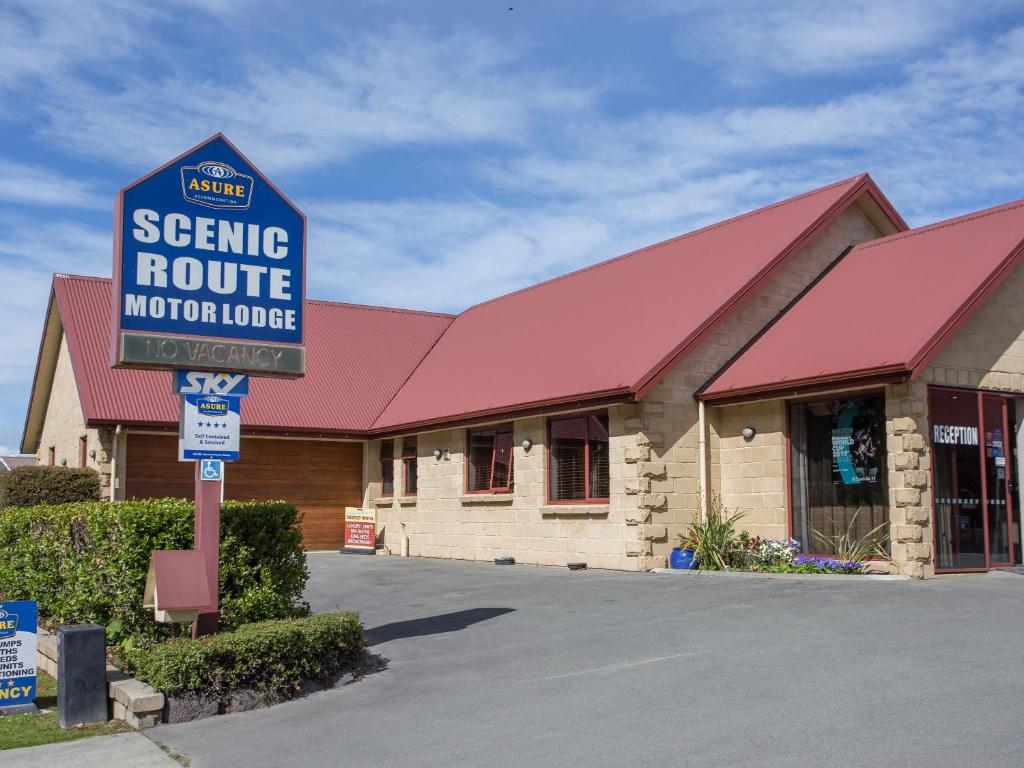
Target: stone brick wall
{"x": 751, "y": 474}
{"x": 64, "y": 425}
{"x": 445, "y": 521}
{"x": 669, "y": 415}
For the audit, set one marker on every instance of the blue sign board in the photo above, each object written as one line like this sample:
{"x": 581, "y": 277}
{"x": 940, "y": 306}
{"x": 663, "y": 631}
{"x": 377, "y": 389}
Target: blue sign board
{"x": 210, "y": 383}
{"x": 211, "y": 469}
{"x": 18, "y": 626}
{"x": 210, "y": 427}
{"x": 206, "y": 248}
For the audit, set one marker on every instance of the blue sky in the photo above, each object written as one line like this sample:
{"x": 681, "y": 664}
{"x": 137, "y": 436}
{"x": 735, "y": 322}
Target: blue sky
{"x": 448, "y": 152}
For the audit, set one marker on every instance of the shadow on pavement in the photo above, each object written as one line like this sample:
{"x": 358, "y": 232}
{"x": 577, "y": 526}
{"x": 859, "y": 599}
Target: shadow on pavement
{"x": 432, "y": 625}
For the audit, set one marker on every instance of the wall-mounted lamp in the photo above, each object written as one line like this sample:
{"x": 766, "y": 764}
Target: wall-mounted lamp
{"x": 748, "y": 433}
{"x": 527, "y": 444}
{"x": 437, "y": 454}
{"x": 63, "y": 462}
{"x": 92, "y": 454}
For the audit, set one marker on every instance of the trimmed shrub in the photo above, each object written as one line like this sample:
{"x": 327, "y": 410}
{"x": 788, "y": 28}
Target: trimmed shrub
{"x": 88, "y": 562}
{"x": 270, "y": 657}
{"x": 27, "y": 486}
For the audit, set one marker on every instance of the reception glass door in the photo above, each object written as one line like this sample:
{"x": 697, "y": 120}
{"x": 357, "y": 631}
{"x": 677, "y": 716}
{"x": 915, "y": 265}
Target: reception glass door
{"x": 972, "y": 479}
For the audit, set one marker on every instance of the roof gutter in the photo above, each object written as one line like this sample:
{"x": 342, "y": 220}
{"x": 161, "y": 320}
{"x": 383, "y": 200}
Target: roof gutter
{"x": 801, "y": 387}
{"x": 539, "y": 408}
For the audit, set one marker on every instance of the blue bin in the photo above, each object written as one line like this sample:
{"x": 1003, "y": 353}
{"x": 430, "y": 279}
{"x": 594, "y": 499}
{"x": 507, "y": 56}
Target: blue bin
{"x": 682, "y": 559}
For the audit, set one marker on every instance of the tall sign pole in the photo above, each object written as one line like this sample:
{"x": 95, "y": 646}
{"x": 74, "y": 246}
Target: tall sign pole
{"x": 210, "y": 283}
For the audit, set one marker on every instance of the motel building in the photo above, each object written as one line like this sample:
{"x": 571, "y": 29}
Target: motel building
{"x": 808, "y": 362}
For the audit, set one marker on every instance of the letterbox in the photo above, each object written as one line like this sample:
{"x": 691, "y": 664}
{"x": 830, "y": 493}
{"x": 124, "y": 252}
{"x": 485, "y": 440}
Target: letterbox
{"x": 176, "y": 586}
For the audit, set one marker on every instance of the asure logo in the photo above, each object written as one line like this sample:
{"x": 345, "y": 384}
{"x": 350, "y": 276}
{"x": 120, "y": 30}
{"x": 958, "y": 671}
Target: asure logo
{"x": 8, "y": 624}
{"x": 211, "y": 405}
{"x": 216, "y": 185}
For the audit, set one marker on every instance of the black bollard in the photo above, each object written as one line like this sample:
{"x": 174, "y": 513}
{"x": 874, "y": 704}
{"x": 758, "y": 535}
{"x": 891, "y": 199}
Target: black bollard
{"x": 81, "y": 675}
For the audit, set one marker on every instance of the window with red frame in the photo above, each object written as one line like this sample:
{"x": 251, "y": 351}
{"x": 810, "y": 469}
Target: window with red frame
{"x": 578, "y": 463}
{"x": 387, "y": 467}
{"x": 409, "y": 465}
{"x": 490, "y": 460}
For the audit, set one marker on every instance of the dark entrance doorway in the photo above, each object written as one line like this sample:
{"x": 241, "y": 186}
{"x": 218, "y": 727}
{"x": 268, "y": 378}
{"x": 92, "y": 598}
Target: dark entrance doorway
{"x": 972, "y": 454}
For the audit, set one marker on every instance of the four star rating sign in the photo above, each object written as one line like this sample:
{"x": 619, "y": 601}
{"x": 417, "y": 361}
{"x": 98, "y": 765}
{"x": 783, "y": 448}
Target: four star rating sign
{"x": 211, "y": 414}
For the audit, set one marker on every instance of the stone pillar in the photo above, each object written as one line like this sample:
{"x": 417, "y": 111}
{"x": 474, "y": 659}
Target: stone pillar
{"x": 637, "y": 479}
{"x": 910, "y": 502}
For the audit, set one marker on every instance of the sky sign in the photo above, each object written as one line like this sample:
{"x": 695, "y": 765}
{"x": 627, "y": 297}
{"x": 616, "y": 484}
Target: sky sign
{"x": 209, "y": 268}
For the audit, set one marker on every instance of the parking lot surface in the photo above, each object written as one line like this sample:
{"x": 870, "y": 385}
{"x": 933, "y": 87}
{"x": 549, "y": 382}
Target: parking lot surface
{"x": 521, "y": 666}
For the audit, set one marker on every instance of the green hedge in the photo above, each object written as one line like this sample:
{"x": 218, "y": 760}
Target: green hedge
{"x": 272, "y": 657}
{"x": 26, "y": 486}
{"x": 88, "y": 562}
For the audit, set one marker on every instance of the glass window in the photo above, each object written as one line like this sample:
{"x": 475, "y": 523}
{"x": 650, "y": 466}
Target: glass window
{"x": 490, "y": 460}
{"x": 409, "y": 465}
{"x": 838, "y": 469}
{"x": 579, "y": 458}
{"x": 387, "y": 467}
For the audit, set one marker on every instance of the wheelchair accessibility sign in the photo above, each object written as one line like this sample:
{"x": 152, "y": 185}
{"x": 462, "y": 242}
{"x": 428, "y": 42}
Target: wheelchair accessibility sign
{"x": 211, "y": 469}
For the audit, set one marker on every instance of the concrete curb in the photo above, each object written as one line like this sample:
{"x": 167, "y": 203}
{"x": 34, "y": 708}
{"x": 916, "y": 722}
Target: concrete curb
{"x": 788, "y": 576}
{"x": 131, "y": 700}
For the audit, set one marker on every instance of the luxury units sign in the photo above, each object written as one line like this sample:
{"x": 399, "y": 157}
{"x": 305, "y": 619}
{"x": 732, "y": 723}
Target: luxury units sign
{"x": 209, "y": 263}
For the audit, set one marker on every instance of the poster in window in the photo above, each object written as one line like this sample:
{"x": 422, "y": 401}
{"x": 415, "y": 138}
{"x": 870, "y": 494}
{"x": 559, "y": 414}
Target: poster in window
{"x": 856, "y": 441}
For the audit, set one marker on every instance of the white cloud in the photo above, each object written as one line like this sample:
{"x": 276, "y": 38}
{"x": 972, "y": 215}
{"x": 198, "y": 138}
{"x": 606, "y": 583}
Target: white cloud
{"x": 943, "y": 131}
{"x": 751, "y": 40}
{"x": 406, "y": 87}
{"x": 35, "y": 185}
{"x": 46, "y": 37}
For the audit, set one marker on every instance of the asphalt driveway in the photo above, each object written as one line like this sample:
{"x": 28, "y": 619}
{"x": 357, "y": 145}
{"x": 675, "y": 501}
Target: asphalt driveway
{"x": 519, "y": 666}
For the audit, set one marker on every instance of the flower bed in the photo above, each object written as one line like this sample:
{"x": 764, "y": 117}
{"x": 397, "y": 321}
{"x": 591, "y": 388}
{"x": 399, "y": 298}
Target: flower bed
{"x": 718, "y": 546}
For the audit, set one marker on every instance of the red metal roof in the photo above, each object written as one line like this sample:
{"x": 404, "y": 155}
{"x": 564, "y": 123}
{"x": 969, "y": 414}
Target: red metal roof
{"x": 882, "y": 312}
{"x": 611, "y": 329}
{"x": 605, "y": 332}
{"x": 357, "y": 359}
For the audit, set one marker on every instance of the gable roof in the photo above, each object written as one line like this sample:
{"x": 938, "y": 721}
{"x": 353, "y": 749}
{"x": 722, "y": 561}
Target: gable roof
{"x": 372, "y": 370}
{"x": 883, "y": 312}
{"x": 613, "y": 329}
{"x": 358, "y": 357}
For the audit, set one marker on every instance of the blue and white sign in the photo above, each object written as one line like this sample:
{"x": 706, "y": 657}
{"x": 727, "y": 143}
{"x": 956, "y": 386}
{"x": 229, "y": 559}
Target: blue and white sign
{"x": 210, "y": 427}
{"x": 209, "y": 268}
{"x": 211, "y": 469}
{"x": 210, "y": 383}
{"x": 18, "y": 626}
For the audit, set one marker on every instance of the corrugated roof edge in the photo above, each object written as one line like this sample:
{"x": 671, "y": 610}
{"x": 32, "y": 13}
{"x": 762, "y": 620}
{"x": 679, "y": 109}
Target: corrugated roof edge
{"x": 539, "y": 407}
{"x": 919, "y": 360}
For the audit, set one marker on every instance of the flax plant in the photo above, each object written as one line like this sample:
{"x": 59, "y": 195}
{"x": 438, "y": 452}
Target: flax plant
{"x": 715, "y": 542}
{"x": 846, "y": 545}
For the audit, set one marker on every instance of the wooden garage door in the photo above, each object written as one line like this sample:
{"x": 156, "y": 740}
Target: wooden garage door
{"x": 319, "y": 477}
